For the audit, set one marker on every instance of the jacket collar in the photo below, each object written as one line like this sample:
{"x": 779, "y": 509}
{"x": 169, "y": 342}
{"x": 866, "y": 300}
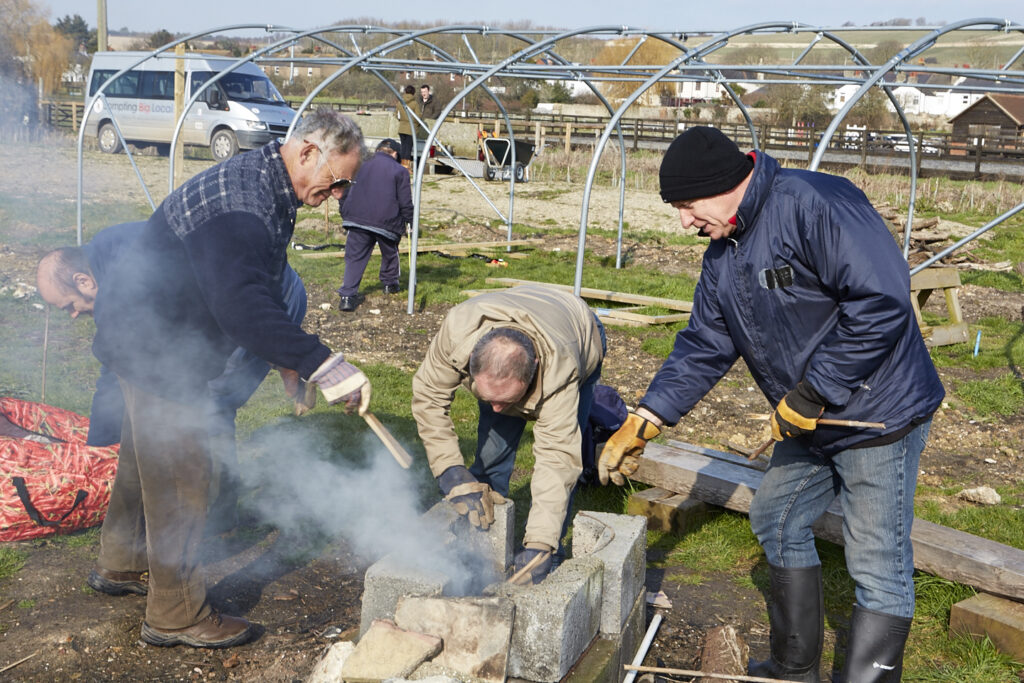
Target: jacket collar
{"x": 765, "y": 169}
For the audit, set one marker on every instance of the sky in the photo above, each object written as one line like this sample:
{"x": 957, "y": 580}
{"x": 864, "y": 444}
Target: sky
{"x": 192, "y": 16}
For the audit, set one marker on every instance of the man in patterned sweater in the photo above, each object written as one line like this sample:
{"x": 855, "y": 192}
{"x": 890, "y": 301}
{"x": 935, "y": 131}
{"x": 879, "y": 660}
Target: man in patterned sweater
{"x": 203, "y": 278}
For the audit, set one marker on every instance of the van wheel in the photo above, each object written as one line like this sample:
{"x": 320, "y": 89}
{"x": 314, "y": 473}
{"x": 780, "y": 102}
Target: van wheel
{"x": 223, "y": 145}
{"x": 520, "y": 172}
{"x": 107, "y": 139}
{"x": 489, "y": 172}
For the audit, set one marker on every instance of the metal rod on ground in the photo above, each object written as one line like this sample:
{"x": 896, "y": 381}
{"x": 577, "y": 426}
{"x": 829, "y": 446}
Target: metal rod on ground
{"x": 46, "y": 343}
{"x": 645, "y": 645}
{"x": 14, "y": 664}
{"x": 700, "y": 674}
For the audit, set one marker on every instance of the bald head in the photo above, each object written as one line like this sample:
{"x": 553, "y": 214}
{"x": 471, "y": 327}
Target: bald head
{"x": 65, "y": 280}
{"x": 502, "y": 365}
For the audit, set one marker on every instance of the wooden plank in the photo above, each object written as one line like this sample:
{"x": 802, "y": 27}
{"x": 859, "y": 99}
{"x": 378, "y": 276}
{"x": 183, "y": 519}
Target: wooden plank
{"x": 447, "y": 246}
{"x": 947, "y": 334}
{"x": 603, "y": 294}
{"x": 640, "y": 317}
{"x": 955, "y": 555}
{"x": 619, "y": 322}
{"x": 935, "y": 278}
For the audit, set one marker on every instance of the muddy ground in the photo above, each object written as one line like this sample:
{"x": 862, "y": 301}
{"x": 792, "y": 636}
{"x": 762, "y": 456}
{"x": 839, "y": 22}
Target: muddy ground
{"x": 302, "y": 604}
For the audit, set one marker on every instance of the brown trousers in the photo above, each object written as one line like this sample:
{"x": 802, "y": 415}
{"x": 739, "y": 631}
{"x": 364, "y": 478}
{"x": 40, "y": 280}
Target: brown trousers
{"x": 158, "y": 505}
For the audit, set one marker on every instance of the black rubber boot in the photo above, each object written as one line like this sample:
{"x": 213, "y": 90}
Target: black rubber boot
{"x": 797, "y": 617}
{"x": 874, "y": 652}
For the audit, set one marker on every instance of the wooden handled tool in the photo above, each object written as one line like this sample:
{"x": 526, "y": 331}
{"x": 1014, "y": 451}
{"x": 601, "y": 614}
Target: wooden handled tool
{"x": 822, "y": 421}
{"x": 830, "y": 421}
{"x": 522, "y": 576}
{"x": 389, "y": 441}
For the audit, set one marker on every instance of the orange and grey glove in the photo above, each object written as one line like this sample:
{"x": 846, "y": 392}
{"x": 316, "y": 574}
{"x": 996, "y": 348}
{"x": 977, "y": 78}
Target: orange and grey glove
{"x": 473, "y": 499}
{"x": 620, "y": 457}
{"x": 341, "y": 381}
{"x": 797, "y": 413}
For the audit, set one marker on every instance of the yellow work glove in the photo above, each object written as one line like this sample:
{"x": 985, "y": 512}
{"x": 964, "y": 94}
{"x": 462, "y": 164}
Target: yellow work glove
{"x": 797, "y": 413}
{"x": 620, "y": 456}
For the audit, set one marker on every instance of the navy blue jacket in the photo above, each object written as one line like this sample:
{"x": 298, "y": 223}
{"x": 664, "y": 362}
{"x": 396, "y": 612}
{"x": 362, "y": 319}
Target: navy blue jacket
{"x": 380, "y": 200}
{"x": 203, "y": 278}
{"x": 844, "y": 322}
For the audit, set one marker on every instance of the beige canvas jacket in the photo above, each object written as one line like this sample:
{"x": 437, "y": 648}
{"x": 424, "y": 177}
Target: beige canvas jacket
{"x": 568, "y": 345}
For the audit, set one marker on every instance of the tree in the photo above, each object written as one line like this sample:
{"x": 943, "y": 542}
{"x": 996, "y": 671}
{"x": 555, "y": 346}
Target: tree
{"x": 160, "y": 38}
{"x": 31, "y": 50}
{"x": 77, "y": 30}
{"x": 651, "y": 52}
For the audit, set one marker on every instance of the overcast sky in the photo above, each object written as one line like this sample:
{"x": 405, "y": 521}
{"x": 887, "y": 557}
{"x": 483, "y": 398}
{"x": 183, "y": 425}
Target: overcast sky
{"x": 191, "y": 16}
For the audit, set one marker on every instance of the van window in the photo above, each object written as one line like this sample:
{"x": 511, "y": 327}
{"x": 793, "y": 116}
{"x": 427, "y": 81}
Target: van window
{"x": 241, "y": 87}
{"x": 158, "y": 85}
{"x": 125, "y": 86}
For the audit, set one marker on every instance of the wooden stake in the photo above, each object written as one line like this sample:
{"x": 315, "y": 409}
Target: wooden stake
{"x": 760, "y": 449}
{"x": 704, "y": 674}
{"x": 46, "y": 342}
{"x": 14, "y": 664}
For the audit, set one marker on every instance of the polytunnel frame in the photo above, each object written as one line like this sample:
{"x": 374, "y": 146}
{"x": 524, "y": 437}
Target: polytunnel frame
{"x": 512, "y": 66}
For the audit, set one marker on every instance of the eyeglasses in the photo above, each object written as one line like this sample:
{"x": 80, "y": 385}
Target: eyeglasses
{"x": 339, "y": 183}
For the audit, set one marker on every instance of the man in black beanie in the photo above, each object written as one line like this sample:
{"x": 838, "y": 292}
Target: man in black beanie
{"x": 803, "y": 281}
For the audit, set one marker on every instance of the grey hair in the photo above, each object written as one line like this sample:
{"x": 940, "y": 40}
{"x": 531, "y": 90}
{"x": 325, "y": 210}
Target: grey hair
{"x": 504, "y": 353}
{"x": 331, "y": 129}
{"x": 66, "y": 262}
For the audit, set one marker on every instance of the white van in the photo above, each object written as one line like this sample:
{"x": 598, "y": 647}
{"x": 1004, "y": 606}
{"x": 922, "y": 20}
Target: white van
{"x": 243, "y": 110}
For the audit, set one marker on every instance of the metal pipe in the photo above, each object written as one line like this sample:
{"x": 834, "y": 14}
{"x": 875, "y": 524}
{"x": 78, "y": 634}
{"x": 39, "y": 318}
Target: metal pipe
{"x": 645, "y": 645}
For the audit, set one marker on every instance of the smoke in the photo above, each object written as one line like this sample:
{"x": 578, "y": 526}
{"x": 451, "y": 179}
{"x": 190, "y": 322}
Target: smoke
{"x": 304, "y": 485}
{"x": 18, "y": 115}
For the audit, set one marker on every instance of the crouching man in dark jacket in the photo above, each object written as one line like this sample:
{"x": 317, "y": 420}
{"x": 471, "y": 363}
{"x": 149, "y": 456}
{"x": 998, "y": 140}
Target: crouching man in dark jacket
{"x": 375, "y": 210}
{"x": 804, "y": 282}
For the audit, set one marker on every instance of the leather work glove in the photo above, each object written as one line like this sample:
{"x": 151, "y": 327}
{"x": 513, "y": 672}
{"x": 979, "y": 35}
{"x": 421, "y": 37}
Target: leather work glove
{"x": 620, "y": 455}
{"x": 471, "y": 498}
{"x": 302, "y": 392}
{"x": 341, "y": 381}
{"x": 528, "y": 554}
{"x": 797, "y": 413}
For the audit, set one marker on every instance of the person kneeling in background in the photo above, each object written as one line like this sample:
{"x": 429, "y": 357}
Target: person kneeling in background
{"x": 375, "y": 210}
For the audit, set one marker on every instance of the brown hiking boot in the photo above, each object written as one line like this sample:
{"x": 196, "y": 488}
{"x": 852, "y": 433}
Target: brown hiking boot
{"x": 118, "y": 583}
{"x": 216, "y": 630}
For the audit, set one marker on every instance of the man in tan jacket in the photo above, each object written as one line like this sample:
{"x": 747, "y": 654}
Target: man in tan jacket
{"x": 526, "y": 353}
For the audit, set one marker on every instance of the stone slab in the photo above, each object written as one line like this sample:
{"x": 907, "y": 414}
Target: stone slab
{"x": 673, "y": 512}
{"x": 476, "y": 632}
{"x": 387, "y": 651}
{"x": 328, "y": 669}
{"x": 494, "y": 544}
{"x": 620, "y": 542}
{"x": 987, "y": 615}
{"x": 555, "y": 620}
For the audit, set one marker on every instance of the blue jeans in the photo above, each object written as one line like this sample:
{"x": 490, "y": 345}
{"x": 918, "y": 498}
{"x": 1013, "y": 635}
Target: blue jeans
{"x": 498, "y": 436}
{"x": 875, "y": 487}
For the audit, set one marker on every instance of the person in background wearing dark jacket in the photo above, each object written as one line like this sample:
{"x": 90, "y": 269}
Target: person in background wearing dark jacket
{"x": 804, "y": 282}
{"x": 69, "y": 279}
{"x": 405, "y": 125}
{"x": 375, "y": 210}
{"x": 201, "y": 279}
{"x": 430, "y": 108}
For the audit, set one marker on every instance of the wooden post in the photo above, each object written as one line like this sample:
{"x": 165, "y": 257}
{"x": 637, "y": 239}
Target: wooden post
{"x": 636, "y": 134}
{"x": 179, "y": 106}
{"x": 74, "y": 116}
{"x": 568, "y": 137}
{"x": 977, "y": 159}
{"x": 920, "y": 154}
{"x": 538, "y": 138}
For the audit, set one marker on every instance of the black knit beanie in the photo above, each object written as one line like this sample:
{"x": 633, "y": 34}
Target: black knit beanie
{"x": 702, "y": 162}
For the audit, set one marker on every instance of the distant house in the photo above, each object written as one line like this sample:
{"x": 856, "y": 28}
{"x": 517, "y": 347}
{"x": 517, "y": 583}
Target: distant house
{"x": 994, "y": 116}
{"x": 921, "y": 94}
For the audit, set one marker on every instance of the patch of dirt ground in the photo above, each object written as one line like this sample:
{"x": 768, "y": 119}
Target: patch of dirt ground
{"x": 65, "y": 631}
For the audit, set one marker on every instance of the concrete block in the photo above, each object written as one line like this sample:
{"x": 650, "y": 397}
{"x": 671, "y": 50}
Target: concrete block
{"x": 668, "y": 511}
{"x": 620, "y": 542}
{"x": 391, "y": 578}
{"x": 328, "y": 669}
{"x": 987, "y": 615}
{"x": 476, "y": 632}
{"x": 555, "y": 620}
{"x": 494, "y": 544}
{"x": 387, "y": 651}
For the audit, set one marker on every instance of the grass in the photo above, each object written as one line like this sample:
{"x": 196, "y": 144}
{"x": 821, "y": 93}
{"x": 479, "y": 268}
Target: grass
{"x": 11, "y": 561}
